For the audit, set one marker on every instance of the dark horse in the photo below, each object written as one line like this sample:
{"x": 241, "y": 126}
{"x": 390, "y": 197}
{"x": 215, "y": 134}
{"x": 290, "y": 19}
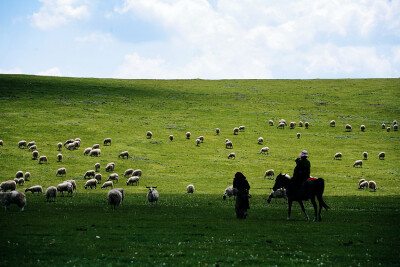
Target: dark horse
{"x": 308, "y": 191}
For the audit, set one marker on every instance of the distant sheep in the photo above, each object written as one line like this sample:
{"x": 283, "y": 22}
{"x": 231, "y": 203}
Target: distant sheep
{"x": 372, "y": 185}
{"x": 91, "y": 183}
{"x": 34, "y": 189}
{"x": 22, "y": 144}
{"x": 365, "y": 155}
{"x": 383, "y": 126}
{"x": 73, "y": 182}
{"x": 51, "y": 193}
{"x": 348, "y": 127}
{"x": 281, "y": 125}
{"x": 260, "y": 140}
{"x": 241, "y": 128}
{"x": 107, "y": 141}
{"x": 114, "y": 198}
{"x": 363, "y": 184}
{"x": 124, "y": 154}
{"x": 69, "y": 141}
{"x": 137, "y": 172}
{"x": 229, "y": 192}
{"x": 264, "y": 150}
{"x": 279, "y": 193}
{"x": 33, "y": 148}
{"x": 217, "y": 131}
{"x": 89, "y": 173}
{"x": 113, "y": 176}
{"x": 110, "y": 167}
{"x": 59, "y": 157}
{"x": 152, "y": 195}
{"x": 362, "y": 128}
{"x": 97, "y": 167}
{"x": 188, "y": 134}
{"x": 271, "y": 123}
{"x": 19, "y": 181}
{"x": 107, "y": 184}
{"x": 61, "y": 172}
{"x": 8, "y": 185}
{"x": 65, "y": 187}
{"x": 87, "y": 151}
{"x": 201, "y": 138}
{"x": 358, "y": 163}
{"x": 282, "y": 121}
{"x": 14, "y": 197}
{"x": 95, "y": 152}
{"x": 228, "y": 144}
{"x": 171, "y": 137}
{"x": 298, "y": 135}
{"x": 128, "y": 173}
{"x": 98, "y": 177}
{"x": 59, "y": 146}
{"x": 382, "y": 155}
{"x": 19, "y": 174}
{"x": 360, "y": 181}
{"x": 149, "y": 135}
{"x": 121, "y": 190}
{"x": 1, "y": 142}
{"x": 42, "y": 159}
{"x": 232, "y": 155}
{"x": 269, "y": 173}
{"x": 95, "y": 146}
{"x": 332, "y": 123}
{"x": 27, "y": 176}
{"x": 395, "y": 127}
{"x": 71, "y": 146}
{"x": 235, "y": 130}
{"x": 337, "y": 156}
{"x": 190, "y": 189}
{"x": 198, "y": 141}
{"x": 300, "y": 124}
{"x": 133, "y": 180}
{"x": 292, "y": 125}
{"x": 35, "y": 154}
{"x": 31, "y": 143}
{"x": 388, "y": 129}
{"x": 306, "y": 124}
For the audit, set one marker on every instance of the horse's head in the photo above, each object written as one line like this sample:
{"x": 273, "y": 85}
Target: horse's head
{"x": 280, "y": 181}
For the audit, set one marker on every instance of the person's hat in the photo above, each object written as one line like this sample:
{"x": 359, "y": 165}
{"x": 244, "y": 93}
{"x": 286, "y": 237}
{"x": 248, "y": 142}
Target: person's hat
{"x": 303, "y": 153}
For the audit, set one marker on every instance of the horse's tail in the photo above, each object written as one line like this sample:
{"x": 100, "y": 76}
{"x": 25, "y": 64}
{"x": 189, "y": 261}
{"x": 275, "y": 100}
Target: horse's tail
{"x": 320, "y": 191}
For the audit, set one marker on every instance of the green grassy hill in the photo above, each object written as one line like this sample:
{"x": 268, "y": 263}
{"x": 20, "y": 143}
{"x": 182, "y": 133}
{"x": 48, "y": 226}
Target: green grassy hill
{"x": 200, "y": 229}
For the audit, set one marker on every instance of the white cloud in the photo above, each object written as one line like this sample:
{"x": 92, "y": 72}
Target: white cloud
{"x": 95, "y": 37}
{"x": 54, "y": 13}
{"x": 11, "y": 71}
{"x": 50, "y": 72}
{"x": 136, "y": 67}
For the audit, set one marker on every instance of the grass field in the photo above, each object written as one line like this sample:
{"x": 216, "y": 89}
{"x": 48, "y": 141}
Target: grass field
{"x": 361, "y": 229}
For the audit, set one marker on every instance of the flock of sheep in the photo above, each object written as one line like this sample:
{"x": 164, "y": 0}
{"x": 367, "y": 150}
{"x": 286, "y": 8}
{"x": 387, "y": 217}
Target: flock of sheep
{"x": 116, "y": 195}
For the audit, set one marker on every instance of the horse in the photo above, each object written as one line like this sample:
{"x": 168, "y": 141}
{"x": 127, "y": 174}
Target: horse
{"x": 309, "y": 190}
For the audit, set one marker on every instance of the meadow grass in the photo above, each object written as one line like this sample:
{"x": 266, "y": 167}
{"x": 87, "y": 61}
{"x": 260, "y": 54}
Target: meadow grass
{"x": 200, "y": 229}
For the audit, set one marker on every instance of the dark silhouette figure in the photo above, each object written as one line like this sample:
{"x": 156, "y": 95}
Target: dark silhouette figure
{"x": 302, "y": 170}
{"x": 242, "y": 198}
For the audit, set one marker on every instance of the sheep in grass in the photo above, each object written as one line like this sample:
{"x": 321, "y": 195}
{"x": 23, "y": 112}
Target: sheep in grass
{"x": 113, "y": 176}
{"x": 51, "y": 193}
{"x": 270, "y": 174}
{"x": 107, "y": 184}
{"x": 198, "y": 141}
{"x": 59, "y": 146}
{"x": 19, "y": 181}
{"x": 22, "y": 144}
{"x": 228, "y": 144}
{"x": 149, "y": 135}
{"x": 59, "y": 157}
{"x": 34, "y": 189}
{"x": 33, "y": 148}
{"x": 110, "y": 167}
{"x": 95, "y": 146}
{"x": 395, "y": 127}
{"x": 260, "y": 140}
{"x": 363, "y": 184}
{"x": 65, "y": 187}
{"x": 97, "y": 167}
{"x": 42, "y": 159}
{"x": 217, "y": 131}
{"x": 124, "y": 154}
{"x": 232, "y": 155}
{"x": 137, "y": 172}
{"x": 1, "y": 142}
{"x": 171, "y": 137}
{"x": 235, "y": 130}
{"x": 337, "y": 156}
{"x": 241, "y": 128}
{"x": 98, "y": 177}
{"x": 8, "y": 185}
{"x": 61, "y": 172}
{"x": 388, "y": 129}
{"x": 383, "y": 126}
{"x": 358, "y": 163}
{"x": 128, "y": 173}
{"x": 229, "y": 192}
{"x": 107, "y": 142}
{"x": 27, "y": 176}
{"x": 279, "y": 193}
{"x": 133, "y": 180}
{"x": 394, "y": 122}
{"x": 301, "y": 124}
{"x": 31, "y": 143}
{"x": 201, "y": 138}
{"x": 152, "y": 195}
{"x": 298, "y": 135}
{"x": 332, "y": 123}
{"x": 360, "y": 181}
{"x": 87, "y": 151}
{"x": 348, "y": 128}
{"x": 283, "y": 121}
{"x": 188, "y": 134}
{"x": 13, "y": 197}
{"x": 264, "y": 150}
{"x": 69, "y": 141}
{"x": 73, "y": 185}
{"x": 190, "y": 189}
{"x": 306, "y": 124}
{"x": 271, "y": 123}
{"x": 89, "y": 173}
{"x": 372, "y": 185}
{"x": 71, "y": 146}
{"x": 19, "y": 174}
{"x": 114, "y": 198}
{"x": 362, "y": 128}
{"x": 121, "y": 190}
{"x": 35, "y": 154}
{"x": 382, "y": 155}
{"x": 95, "y": 152}
{"x": 91, "y": 183}
{"x": 365, "y": 155}
{"x": 292, "y": 125}
{"x": 281, "y": 125}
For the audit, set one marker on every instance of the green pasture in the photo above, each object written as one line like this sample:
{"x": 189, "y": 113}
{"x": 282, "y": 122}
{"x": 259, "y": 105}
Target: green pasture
{"x": 361, "y": 229}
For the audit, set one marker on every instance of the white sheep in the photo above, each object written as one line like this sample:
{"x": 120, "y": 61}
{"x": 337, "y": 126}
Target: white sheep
{"x": 362, "y": 128}
{"x": 300, "y": 124}
{"x": 65, "y": 186}
{"x": 1, "y": 142}
{"x": 372, "y": 185}
{"x": 123, "y": 154}
{"x": 229, "y": 192}
{"x": 31, "y": 143}
{"x": 59, "y": 146}
{"x": 332, "y": 123}
{"x": 22, "y": 144}
{"x": 69, "y": 141}
{"x": 190, "y": 189}
{"x": 34, "y": 189}
{"x": 59, "y": 157}
{"x": 279, "y": 193}
{"x": 152, "y": 195}
{"x": 71, "y": 146}
{"x": 283, "y": 121}
{"x": 337, "y": 155}
{"x": 306, "y": 124}
{"x": 8, "y": 185}
{"x": 95, "y": 152}
{"x": 360, "y": 181}
{"x": 97, "y": 167}
{"x": 388, "y": 129}
{"x": 281, "y": 125}
{"x": 33, "y": 148}
{"x": 95, "y": 146}
{"x": 171, "y": 137}
{"x": 149, "y": 135}
{"x": 113, "y": 176}
{"x": 76, "y": 144}
{"x": 269, "y": 173}
{"x": 298, "y": 135}
{"x": 382, "y": 155}
{"x": 19, "y": 181}
{"x": 91, "y": 183}
{"x": 363, "y": 184}
{"x": 198, "y": 141}
{"x": 73, "y": 182}
{"x": 271, "y": 123}
{"x": 358, "y": 163}
{"x": 107, "y": 141}
{"x": 13, "y": 197}
{"x": 19, "y": 174}
{"x": 27, "y": 176}
{"x": 89, "y": 173}
{"x": 35, "y": 154}
{"x": 241, "y": 128}
{"x": 365, "y": 155}
{"x": 121, "y": 190}
{"x": 114, "y": 198}
{"x": 348, "y": 127}
{"x": 128, "y": 172}
{"x": 201, "y": 138}
{"x": 107, "y": 184}
{"x": 228, "y": 144}
{"x": 98, "y": 177}
{"x": 137, "y": 172}
{"x": 132, "y": 180}
{"x": 395, "y": 127}
{"x": 51, "y": 193}
{"x": 61, "y": 172}
{"x": 232, "y": 155}
{"x": 217, "y": 131}
{"x": 264, "y": 150}
{"x": 260, "y": 140}
{"x": 235, "y": 130}
{"x": 42, "y": 159}
{"x": 87, "y": 151}
{"x": 292, "y": 125}
{"x": 110, "y": 167}
{"x": 188, "y": 134}
{"x": 383, "y": 126}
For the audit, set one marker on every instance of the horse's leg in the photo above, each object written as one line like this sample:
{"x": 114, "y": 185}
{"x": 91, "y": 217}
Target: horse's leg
{"x": 303, "y": 209}
{"x": 290, "y": 209}
{"x": 315, "y": 208}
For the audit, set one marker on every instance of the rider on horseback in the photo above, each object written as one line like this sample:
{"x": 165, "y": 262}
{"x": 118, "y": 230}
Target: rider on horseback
{"x": 302, "y": 170}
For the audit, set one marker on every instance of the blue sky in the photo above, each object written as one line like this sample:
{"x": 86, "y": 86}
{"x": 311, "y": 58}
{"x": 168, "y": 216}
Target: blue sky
{"x": 214, "y": 39}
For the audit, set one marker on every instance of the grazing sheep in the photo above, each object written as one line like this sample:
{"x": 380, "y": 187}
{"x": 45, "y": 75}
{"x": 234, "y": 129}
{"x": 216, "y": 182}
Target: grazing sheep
{"x": 13, "y": 197}
{"x": 124, "y": 154}
{"x": 61, "y": 172}
{"x": 98, "y": 177}
{"x": 35, "y": 154}
{"x": 97, "y": 167}
{"x": 372, "y": 185}
{"x": 232, "y": 155}
{"x": 281, "y": 125}
{"x": 132, "y": 180}
{"x": 19, "y": 174}
{"x": 65, "y": 186}
{"x": 217, "y": 131}
{"x": 152, "y": 195}
{"x": 95, "y": 152}
{"x": 33, "y": 148}
{"x": 8, "y": 185}
{"x": 35, "y": 188}
{"x": 241, "y": 128}
{"x": 107, "y": 141}
{"x": 260, "y": 140}
{"x": 292, "y": 125}
{"x": 190, "y": 189}
{"x": 77, "y": 144}
{"x": 383, "y": 126}
{"x": 388, "y": 129}
{"x": 300, "y": 124}
{"x": 332, "y": 123}
{"x": 51, "y": 193}
{"x": 71, "y": 146}
{"x": 89, "y": 173}
{"x": 1, "y": 142}
{"x": 59, "y": 146}
{"x": 171, "y": 137}
{"x": 362, "y": 128}
{"x": 360, "y": 181}
{"x": 59, "y": 157}
{"x": 87, "y": 151}
{"x": 137, "y": 172}
{"x": 73, "y": 185}
{"x": 27, "y": 176}
{"x": 264, "y": 150}
{"x": 382, "y": 155}
{"x": 121, "y": 190}
{"x": 337, "y": 156}
{"x": 69, "y": 141}
{"x": 95, "y": 146}
{"x": 271, "y": 123}
{"x": 269, "y": 173}
{"x": 298, "y": 135}
{"x": 149, "y": 135}
{"x": 198, "y": 141}
{"x": 201, "y": 138}
{"x": 306, "y": 124}
{"x": 42, "y": 159}
{"x": 283, "y": 121}
{"x": 348, "y": 127}
{"x": 107, "y": 184}
{"x": 19, "y": 181}
{"x": 235, "y": 130}
{"x": 365, "y": 155}
{"x": 22, "y": 144}
{"x": 394, "y": 122}
{"x": 230, "y": 191}
{"x": 279, "y": 193}
{"x": 188, "y": 134}
{"x": 31, "y": 143}
{"x": 113, "y": 176}
{"x": 91, "y": 183}
{"x": 114, "y": 198}
{"x": 128, "y": 172}
{"x": 228, "y": 144}
{"x": 110, "y": 167}
{"x": 358, "y": 163}
{"x": 395, "y": 127}
{"x": 363, "y": 184}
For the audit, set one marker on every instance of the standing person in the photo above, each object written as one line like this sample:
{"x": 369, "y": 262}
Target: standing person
{"x": 302, "y": 170}
{"x": 242, "y": 198}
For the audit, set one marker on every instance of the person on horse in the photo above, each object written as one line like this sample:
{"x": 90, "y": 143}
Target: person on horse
{"x": 242, "y": 198}
{"x": 302, "y": 170}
